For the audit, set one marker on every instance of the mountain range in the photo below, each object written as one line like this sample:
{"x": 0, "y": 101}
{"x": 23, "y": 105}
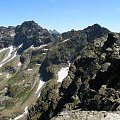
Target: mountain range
{"x": 44, "y": 73}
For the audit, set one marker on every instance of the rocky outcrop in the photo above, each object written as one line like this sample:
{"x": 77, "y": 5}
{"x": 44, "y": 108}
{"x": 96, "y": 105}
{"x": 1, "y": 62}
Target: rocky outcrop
{"x": 6, "y": 36}
{"x": 54, "y": 32}
{"x": 31, "y": 34}
{"x": 95, "y": 31}
{"x": 92, "y": 82}
{"x": 87, "y": 115}
{"x": 69, "y": 47}
{"x": 27, "y": 34}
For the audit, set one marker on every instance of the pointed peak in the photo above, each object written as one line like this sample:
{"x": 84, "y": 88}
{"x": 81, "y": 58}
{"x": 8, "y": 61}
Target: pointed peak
{"x": 55, "y": 32}
{"x": 93, "y": 27}
{"x": 29, "y": 24}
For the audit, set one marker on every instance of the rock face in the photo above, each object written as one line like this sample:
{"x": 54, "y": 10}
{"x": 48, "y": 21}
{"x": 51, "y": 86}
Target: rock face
{"x": 21, "y": 53}
{"x": 6, "y": 36}
{"x": 54, "y": 32}
{"x": 87, "y": 115}
{"x": 92, "y": 82}
{"x": 30, "y": 33}
{"x": 95, "y": 31}
{"x": 69, "y": 47}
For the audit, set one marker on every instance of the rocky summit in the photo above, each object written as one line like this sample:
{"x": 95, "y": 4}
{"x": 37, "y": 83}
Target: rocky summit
{"x": 45, "y": 75}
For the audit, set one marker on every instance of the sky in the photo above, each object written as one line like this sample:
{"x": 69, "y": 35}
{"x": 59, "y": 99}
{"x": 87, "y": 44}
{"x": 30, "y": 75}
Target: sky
{"x": 62, "y": 15}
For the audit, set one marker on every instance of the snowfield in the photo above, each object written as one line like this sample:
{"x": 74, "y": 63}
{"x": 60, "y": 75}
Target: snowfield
{"x": 63, "y": 73}
{"x": 8, "y": 57}
{"x": 41, "y": 82}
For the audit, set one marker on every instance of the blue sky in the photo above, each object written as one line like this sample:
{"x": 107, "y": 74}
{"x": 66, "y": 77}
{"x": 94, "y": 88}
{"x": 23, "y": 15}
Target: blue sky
{"x": 62, "y": 15}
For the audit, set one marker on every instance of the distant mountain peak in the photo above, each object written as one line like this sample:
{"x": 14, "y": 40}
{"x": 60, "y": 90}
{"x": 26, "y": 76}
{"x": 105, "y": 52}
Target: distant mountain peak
{"x": 29, "y": 22}
{"x": 95, "y": 31}
{"x": 54, "y": 32}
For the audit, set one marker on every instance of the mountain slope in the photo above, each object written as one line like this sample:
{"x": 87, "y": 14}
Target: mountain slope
{"x": 92, "y": 82}
{"x": 42, "y": 74}
{"x": 19, "y": 77}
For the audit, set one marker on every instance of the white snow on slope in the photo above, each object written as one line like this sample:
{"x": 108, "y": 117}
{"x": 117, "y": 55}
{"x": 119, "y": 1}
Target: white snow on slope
{"x": 4, "y": 61}
{"x": 12, "y": 34}
{"x": 11, "y": 49}
{"x": 66, "y": 40}
{"x": 8, "y": 75}
{"x": 3, "y": 49}
{"x": 41, "y": 46}
{"x": 26, "y": 110}
{"x": 20, "y": 46}
{"x": 20, "y": 116}
{"x": 32, "y": 47}
{"x": 29, "y": 69}
{"x": 38, "y": 64}
{"x": 63, "y": 73}
{"x": 7, "y": 59}
{"x": 46, "y": 49}
{"x": 19, "y": 64}
{"x": 40, "y": 85}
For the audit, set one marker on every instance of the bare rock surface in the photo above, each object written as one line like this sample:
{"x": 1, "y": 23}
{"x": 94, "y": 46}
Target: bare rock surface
{"x": 87, "y": 115}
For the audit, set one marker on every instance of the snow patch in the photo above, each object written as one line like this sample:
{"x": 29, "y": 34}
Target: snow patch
{"x": 41, "y": 46}
{"x": 29, "y": 69}
{"x": 9, "y": 54}
{"x": 20, "y": 116}
{"x": 26, "y": 110}
{"x": 66, "y": 40}
{"x": 63, "y": 73}
{"x": 38, "y": 64}
{"x": 46, "y": 49}
{"x": 0, "y": 73}
{"x": 3, "y": 49}
{"x": 8, "y": 75}
{"x": 12, "y": 35}
{"x": 6, "y": 60}
{"x": 20, "y": 46}
{"x": 40, "y": 85}
{"x": 32, "y": 47}
{"x": 19, "y": 64}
